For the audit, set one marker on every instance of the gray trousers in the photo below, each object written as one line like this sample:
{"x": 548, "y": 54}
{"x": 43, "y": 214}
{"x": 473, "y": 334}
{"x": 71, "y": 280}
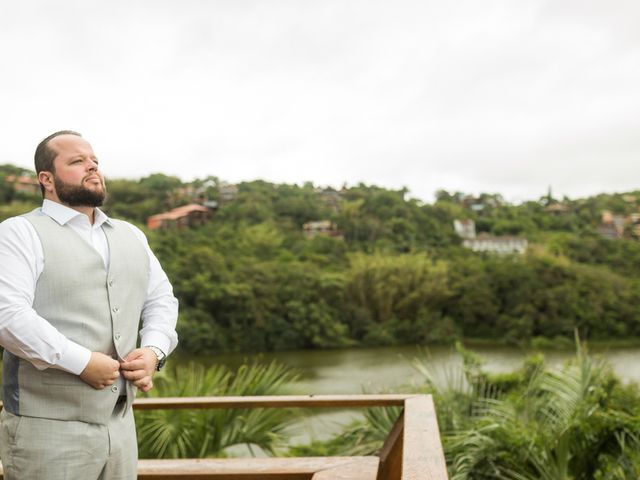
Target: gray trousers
{"x": 42, "y": 449}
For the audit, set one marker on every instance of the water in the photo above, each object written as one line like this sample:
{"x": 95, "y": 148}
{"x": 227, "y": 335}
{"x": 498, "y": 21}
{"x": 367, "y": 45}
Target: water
{"x": 376, "y": 370}
{"x": 379, "y": 370}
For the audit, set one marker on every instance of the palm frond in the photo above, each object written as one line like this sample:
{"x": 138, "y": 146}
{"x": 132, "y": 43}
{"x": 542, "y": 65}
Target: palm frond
{"x": 203, "y": 433}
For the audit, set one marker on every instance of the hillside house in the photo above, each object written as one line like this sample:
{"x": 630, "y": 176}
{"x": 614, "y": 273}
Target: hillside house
{"x": 500, "y": 245}
{"x": 325, "y": 228}
{"x": 556, "y": 209}
{"x": 24, "y": 184}
{"x": 473, "y": 203}
{"x": 228, "y": 192}
{"x": 465, "y": 228}
{"x": 610, "y": 232}
{"x": 612, "y": 226}
{"x": 181, "y": 217}
{"x": 615, "y": 227}
{"x": 330, "y": 197}
{"x": 193, "y": 193}
{"x": 478, "y": 204}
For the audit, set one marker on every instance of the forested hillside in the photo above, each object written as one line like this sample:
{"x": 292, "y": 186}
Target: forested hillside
{"x": 394, "y": 271}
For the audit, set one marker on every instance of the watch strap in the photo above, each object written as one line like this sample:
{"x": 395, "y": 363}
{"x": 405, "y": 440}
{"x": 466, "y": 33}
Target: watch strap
{"x": 160, "y": 356}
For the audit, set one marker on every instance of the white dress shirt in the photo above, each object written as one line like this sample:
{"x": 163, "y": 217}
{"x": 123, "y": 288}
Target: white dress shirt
{"x": 26, "y": 334}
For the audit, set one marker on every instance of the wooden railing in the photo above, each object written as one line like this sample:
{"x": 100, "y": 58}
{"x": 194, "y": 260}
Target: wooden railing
{"x": 411, "y": 451}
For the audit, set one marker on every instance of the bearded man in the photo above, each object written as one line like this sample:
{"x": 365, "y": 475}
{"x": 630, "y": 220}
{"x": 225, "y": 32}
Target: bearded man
{"x": 74, "y": 287}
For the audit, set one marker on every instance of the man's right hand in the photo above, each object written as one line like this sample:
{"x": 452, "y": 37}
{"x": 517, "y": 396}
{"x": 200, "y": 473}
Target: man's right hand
{"x": 101, "y": 371}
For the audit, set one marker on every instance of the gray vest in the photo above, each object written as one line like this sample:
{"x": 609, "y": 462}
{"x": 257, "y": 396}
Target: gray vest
{"x": 96, "y": 308}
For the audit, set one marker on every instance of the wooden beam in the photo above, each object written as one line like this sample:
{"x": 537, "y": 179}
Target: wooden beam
{"x": 391, "y": 452}
{"x": 304, "y": 401}
{"x": 422, "y": 456}
{"x": 252, "y": 468}
{"x": 414, "y": 441}
{"x": 301, "y": 468}
{"x": 361, "y": 468}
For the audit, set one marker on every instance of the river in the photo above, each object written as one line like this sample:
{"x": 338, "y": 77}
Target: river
{"x": 376, "y": 370}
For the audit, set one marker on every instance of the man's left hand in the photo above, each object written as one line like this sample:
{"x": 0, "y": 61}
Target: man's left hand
{"x": 139, "y": 367}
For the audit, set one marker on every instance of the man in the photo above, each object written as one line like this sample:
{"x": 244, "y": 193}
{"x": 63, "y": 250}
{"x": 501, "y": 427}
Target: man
{"x": 74, "y": 285}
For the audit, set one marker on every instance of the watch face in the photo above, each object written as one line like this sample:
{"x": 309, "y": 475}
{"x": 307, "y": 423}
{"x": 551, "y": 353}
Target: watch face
{"x": 160, "y": 356}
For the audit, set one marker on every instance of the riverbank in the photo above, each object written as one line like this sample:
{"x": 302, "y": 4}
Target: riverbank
{"x": 376, "y": 370}
{"x": 384, "y": 369}
{"x": 556, "y": 343}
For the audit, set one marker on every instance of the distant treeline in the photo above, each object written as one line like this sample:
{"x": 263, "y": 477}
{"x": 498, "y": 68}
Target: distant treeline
{"x": 249, "y": 279}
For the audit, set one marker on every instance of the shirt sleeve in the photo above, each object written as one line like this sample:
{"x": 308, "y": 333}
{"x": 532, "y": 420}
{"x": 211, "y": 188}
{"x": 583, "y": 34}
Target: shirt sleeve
{"x": 22, "y": 331}
{"x": 160, "y": 309}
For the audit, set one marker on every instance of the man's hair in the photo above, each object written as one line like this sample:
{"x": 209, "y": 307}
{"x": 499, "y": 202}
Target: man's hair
{"x": 45, "y": 155}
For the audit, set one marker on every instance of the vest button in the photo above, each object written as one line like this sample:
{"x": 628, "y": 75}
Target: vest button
{"x": 114, "y": 388}
{"x": 111, "y": 283}
{"x": 117, "y": 336}
{"x": 115, "y": 309}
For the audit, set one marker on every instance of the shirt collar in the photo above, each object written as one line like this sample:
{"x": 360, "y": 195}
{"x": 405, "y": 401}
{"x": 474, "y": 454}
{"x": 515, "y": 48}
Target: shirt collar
{"x": 63, "y": 214}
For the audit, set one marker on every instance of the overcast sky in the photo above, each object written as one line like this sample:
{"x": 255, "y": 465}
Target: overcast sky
{"x": 495, "y": 96}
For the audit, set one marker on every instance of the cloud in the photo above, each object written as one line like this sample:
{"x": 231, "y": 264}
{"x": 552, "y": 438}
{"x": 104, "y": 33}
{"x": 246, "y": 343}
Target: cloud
{"x": 494, "y": 96}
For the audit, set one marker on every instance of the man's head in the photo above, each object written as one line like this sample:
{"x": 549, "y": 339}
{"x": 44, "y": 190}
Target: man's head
{"x": 67, "y": 170}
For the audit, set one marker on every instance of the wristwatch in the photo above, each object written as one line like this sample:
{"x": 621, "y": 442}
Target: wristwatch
{"x": 162, "y": 358}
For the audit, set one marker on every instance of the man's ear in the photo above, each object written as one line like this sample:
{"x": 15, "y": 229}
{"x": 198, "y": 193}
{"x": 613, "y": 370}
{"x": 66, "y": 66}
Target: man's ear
{"x": 46, "y": 180}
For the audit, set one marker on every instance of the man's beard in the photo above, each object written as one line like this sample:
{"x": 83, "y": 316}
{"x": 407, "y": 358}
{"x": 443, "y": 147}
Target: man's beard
{"x": 78, "y": 195}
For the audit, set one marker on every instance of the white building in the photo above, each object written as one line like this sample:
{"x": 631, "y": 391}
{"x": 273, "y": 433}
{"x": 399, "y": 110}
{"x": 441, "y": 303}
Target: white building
{"x": 465, "y": 228}
{"x": 501, "y": 245}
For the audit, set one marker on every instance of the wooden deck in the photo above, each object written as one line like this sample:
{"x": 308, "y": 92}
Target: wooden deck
{"x": 412, "y": 450}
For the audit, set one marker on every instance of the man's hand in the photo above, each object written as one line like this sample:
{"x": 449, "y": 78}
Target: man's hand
{"x": 101, "y": 371}
{"x": 139, "y": 367}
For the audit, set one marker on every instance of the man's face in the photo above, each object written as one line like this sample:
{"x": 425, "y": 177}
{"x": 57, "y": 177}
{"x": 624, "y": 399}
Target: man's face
{"x": 77, "y": 180}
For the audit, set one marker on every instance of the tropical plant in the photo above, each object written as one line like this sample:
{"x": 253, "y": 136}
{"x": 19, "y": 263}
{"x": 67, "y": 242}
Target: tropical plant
{"x": 207, "y": 433}
{"x": 577, "y": 422}
{"x": 361, "y": 437}
{"x": 560, "y": 424}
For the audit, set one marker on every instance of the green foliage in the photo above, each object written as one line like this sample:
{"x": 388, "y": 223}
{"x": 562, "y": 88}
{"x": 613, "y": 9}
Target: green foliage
{"x": 359, "y": 438}
{"x": 137, "y": 200}
{"x": 568, "y": 423}
{"x": 576, "y": 422}
{"x": 207, "y": 433}
{"x": 16, "y": 208}
{"x": 404, "y": 292}
{"x": 249, "y": 279}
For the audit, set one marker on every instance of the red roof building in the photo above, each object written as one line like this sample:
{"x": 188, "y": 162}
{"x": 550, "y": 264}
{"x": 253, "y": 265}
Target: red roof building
{"x": 24, "y": 184}
{"x": 181, "y": 217}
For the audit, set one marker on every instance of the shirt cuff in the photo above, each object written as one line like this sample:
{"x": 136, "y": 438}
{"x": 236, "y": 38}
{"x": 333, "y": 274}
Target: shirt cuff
{"x": 74, "y": 359}
{"x": 156, "y": 339}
